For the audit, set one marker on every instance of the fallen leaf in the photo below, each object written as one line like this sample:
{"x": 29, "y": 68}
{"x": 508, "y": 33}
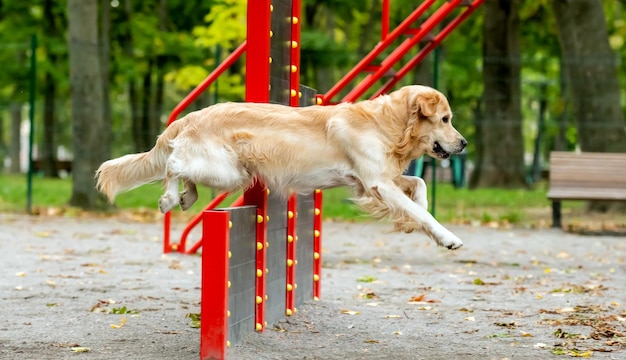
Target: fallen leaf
{"x": 121, "y": 323}
{"x": 350, "y": 312}
{"x": 470, "y": 318}
{"x": 397, "y": 332}
{"x": 21, "y": 274}
{"x": 370, "y": 341}
{"x": 80, "y": 349}
{"x": 525, "y": 334}
{"x": 392, "y": 316}
{"x": 366, "y": 279}
{"x": 417, "y": 298}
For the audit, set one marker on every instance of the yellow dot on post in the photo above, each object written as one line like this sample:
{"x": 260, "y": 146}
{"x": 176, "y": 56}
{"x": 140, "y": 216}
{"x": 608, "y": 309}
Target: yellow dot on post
{"x": 265, "y": 322}
{"x": 294, "y": 20}
{"x": 267, "y": 218}
{"x": 294, "y": 44}
{"x": 318, "y": 101}
{"x": 296, "y": 237}
{"x": 316, "y": 298}
{"x": 230, "y": 254}
{"x": 267, "y": 244}
{"x": 317, "y": 211}
{"x": 229, "y": 284}
{"x": 295, "y": 286}
{"x": 316, "y": 233}
{"x": 230, "y": 224}
{"x": 316, "y": 255}
{"x": 289, "y": 238}
{"x": 174, "y": 247}
{"x": 316, "y": 277}
{"x": 289, "y": 287}
{"x": 265, "y": 297}
{"x": 267, "y": 191}
{"x": 288, "y": 312}
{"x": 259, "y": 246}
{"x": 259, "y": 299}
{"x": 289, "y": 262}
{"x": 271, "y": 60}
{"x": 296, "y": 262}
{"x": 258, "y": 327}
{"x": 290, "y": 214}
{"x": 271, "y": 33}
{"x": 294, "y": 68}
{"x": 228, "y": 313}
{"x": 299, "y": 94}
{"x": 259, "y": 272}
{"x": 259, "y": 218}
{"x": 317, "y": 191}
{"x": 267, "y": 271}
{"x": 227, "y": 343}
{"x": 293, "y": 93}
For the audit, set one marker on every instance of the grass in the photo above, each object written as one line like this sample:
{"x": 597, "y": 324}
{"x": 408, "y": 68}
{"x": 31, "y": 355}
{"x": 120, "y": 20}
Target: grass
{"x": 452, "y": 205}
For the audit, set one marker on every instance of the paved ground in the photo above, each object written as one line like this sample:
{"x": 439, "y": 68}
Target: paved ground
{"x": 511, "y": 293}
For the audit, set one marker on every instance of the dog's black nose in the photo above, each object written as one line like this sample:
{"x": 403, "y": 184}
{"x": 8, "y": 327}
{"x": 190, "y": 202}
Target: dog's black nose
{"x": 463, "y": 143}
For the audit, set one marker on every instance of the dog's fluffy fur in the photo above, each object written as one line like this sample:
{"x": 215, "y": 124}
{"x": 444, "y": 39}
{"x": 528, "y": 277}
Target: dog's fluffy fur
{"x": 364, "y": 145}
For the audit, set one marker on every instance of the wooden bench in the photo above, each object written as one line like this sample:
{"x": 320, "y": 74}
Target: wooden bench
{"x": 585, "y": 176}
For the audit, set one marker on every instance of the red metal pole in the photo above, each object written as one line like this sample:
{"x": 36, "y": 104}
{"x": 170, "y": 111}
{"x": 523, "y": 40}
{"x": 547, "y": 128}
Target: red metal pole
{"x": 197, "y": 91}
{"x": 214, "y": 293}
{"x": 401, "y": 50}
{"x": 384, "y": 23}
{"x": 427, "y": 48}
{"x": 367, "y": 60}
{"x": 317, "y": 245}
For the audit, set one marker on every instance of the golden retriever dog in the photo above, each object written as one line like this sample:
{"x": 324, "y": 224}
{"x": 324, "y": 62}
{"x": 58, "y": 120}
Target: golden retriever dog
{"x": 364, "y": 145}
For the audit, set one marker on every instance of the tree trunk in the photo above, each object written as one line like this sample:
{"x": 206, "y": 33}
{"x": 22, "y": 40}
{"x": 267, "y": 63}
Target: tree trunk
{"x": 501, "y": 146}
{"x": 105, "y": 60}
{"x": 15, "y": 109}
{"x": 48, "y": 148}
{"x": 88, "y": 124}
{"x": 591, "y": 68}
{"x": 146, "y": 108}
{"x": 133, "y": 96}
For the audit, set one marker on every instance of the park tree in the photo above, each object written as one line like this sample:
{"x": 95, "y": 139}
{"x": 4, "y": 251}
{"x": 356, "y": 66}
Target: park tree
{"x": 91, "y": 133}
{"x": 499, "y": 138}
{"x": 591, "y": 68}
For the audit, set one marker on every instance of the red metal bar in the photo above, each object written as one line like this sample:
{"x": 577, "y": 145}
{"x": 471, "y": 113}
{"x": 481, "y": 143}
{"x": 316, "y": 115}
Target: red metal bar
{"x": 378, "y": 49}
{"x": 427, "y": 48}
{"x": 294, "y": 67}
{"x": 214, "y": 293}
{"x": 292, "y": 206}
{"x": 181, "y": 247}
{"x": 384, "y": 21}
{"x": 230, "y": 59}
{"x": 197, "y": 91}
{"x": 445, "y": 9}
{"x": 317, "y": 245}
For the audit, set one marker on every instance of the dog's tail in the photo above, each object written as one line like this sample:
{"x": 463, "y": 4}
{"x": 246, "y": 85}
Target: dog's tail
{"x": 130, "y": 171}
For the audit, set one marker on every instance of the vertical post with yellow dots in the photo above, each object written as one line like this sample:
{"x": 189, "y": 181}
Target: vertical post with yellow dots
{"x": 214, "y": 302}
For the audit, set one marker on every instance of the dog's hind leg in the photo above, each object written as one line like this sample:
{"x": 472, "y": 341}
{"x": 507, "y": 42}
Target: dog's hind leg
{"x": 170, "y": 198}
{"x": 189, "y": 195}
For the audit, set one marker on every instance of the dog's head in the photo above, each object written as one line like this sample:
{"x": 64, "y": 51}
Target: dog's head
{"x": 429, "y": 127}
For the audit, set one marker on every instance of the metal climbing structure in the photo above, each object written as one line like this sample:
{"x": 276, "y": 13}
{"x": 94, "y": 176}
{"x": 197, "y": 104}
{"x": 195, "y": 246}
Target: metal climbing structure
{"x": 265, "y": 253}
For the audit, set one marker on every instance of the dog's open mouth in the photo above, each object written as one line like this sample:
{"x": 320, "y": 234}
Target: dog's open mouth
{"x": 439, "y": 151}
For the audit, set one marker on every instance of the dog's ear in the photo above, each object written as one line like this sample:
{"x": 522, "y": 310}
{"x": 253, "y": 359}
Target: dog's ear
{"x": 425, "y": 104}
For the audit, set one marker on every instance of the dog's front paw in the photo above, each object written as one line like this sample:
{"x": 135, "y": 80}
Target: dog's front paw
{"x": 450, "y": 241}
{"x": 167, "y": 202}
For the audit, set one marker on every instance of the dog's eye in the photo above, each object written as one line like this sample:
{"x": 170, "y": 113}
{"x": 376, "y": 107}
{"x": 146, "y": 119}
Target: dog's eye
{"x": 445, "y": 119}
